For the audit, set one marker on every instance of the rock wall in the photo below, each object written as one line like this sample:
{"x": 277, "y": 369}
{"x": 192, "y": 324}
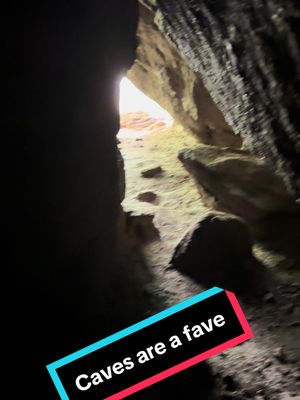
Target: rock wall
{"x": 63, "y": 61}
{"x": 247, "y": 53}
{"x": 162, "y": 73}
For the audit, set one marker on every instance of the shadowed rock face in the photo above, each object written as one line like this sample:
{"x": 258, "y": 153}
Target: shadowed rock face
{"x": 62, "y": 65}
{"x": 247, "y": 52}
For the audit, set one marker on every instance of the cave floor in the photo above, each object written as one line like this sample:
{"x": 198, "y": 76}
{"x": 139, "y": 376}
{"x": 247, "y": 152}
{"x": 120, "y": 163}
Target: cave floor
{"x": 266, "y": 367}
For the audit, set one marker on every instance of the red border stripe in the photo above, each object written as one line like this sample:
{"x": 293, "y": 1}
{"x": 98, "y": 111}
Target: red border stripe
{"x": 248, "y": 334}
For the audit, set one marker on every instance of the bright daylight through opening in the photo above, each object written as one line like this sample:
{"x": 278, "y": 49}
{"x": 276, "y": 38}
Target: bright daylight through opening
{"x": 140, "y": 116}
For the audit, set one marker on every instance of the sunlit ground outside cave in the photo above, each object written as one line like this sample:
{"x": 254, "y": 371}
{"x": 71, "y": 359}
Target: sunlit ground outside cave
{"x": 164, "y": 203}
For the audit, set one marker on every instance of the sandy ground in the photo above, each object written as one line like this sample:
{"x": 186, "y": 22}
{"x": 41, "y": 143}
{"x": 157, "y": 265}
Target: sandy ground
{"x": 266, "y": 367}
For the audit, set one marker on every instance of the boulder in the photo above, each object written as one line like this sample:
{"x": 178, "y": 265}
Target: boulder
{"x": 217, "y": 251}
{"x": 233, "y": 180}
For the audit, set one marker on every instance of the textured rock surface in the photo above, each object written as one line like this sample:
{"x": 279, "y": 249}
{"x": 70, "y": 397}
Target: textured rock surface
{"x": 235, "y": 181}
{"x": 247, "y": 52}
{"x": 218, "y": 251}
{"x": 163, "y": 74}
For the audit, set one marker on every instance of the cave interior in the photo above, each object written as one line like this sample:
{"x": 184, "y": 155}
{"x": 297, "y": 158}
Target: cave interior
{"x": 156, "y": 155}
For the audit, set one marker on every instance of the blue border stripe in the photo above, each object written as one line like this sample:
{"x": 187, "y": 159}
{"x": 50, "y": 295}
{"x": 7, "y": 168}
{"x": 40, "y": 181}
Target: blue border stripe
{"x": 58, "y": 384}
{"x": 127, "y": 331}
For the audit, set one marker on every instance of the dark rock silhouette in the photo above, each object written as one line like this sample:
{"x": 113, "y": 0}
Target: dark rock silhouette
{"x": 217, "y": 251}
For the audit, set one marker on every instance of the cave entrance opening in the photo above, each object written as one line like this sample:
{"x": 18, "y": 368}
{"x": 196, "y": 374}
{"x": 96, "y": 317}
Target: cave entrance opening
{"x": 140, "y": 116}
{"x": 160, "y": 193}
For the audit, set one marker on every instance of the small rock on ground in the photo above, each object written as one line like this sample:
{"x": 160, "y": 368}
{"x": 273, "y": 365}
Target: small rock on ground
{"x": 148, "y": 197}
{"x": 152, "y": 172}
